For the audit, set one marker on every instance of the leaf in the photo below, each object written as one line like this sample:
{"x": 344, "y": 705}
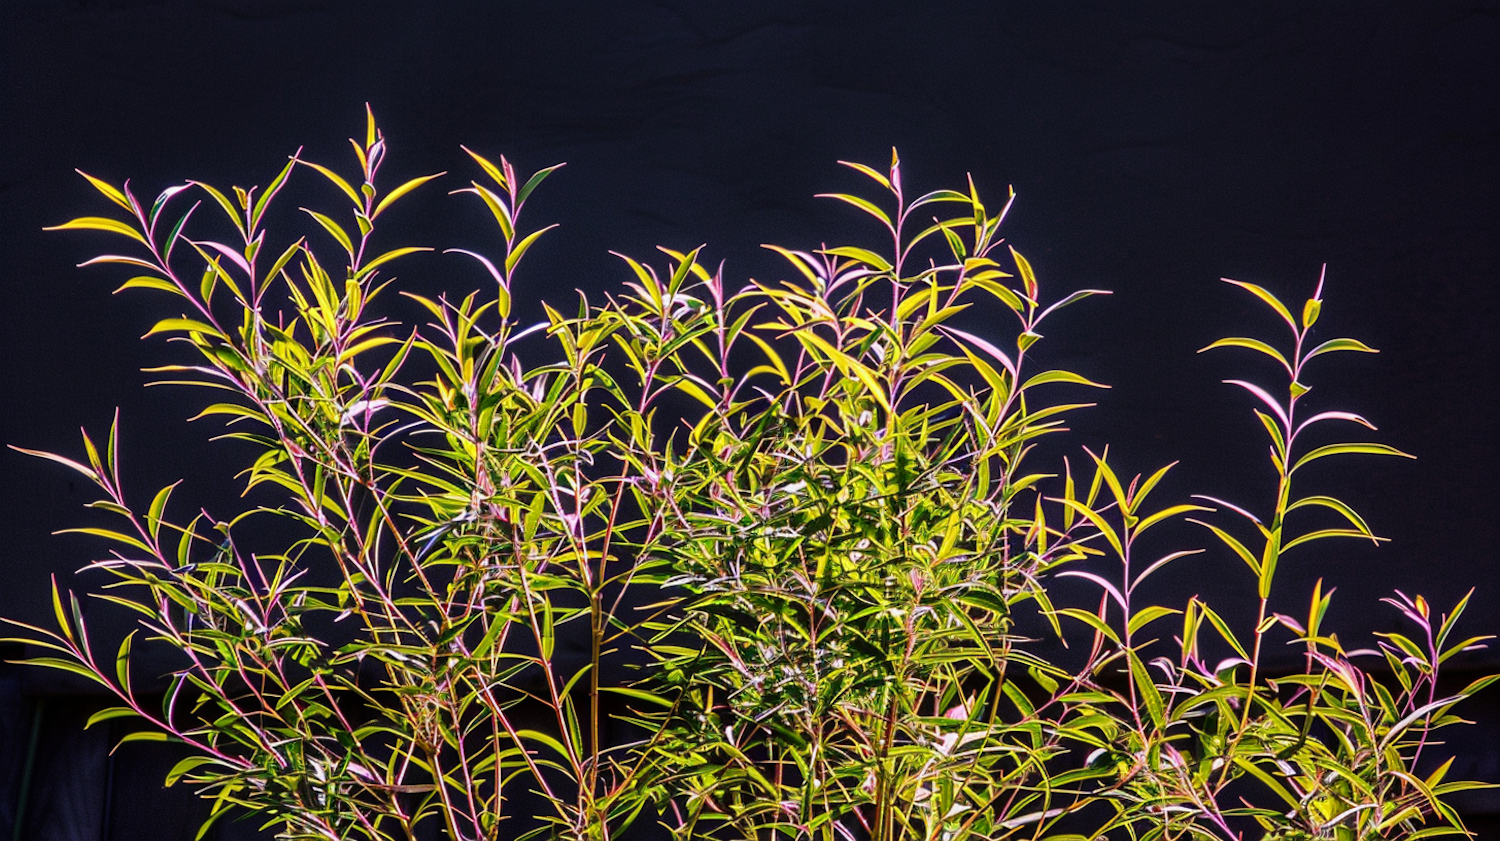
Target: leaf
{"x": 1098, "y": 521}
{"x": 185, "y": 325}
{"x": 497, "y": 208}
{"x": 869, "y": 258}
{"x": 143, "y": 736}
{"x": 535, "y": 179}
{"x": 111, "y": 192}
{"x": 1310, "y": 312}
{"x": 1271, "y": 300}
{"x": 1090, "y": 619}
{"x": 1147, "y": 688}
{"x": 1356, "y": 448}
{"x": 688, "y": 385}
{"x": 337, "y": 182}
{"x": 99, "y": 223}
{"x": 637, "y": 694}
{"x": 1103, "y": 582}
{"x": 1071, "y": 299}
{"x": 864, "y": 205}
{"x": 1223, "y": 628}
{"x": 397, "y": 193}
{"x": 1146, "y": 616}
{"x": 1161, "y": 562}
{"x": 109, "y": 713}
{"x": 389, "y": 256}
{"x": 68, "y": 666}
{"x": 1060, "y": 377}
{"x": 275, "y": 187}
{"x": 1322, "y": 533}
{"x": 522, "y": 247}
{"x": 1266, "y": 399}
{"x": 148, "y": 282}
{"x": 1333, "y": 345}
{"x": 87, "y": 471}
{"x": 122, "y": 661}
{"x": 876, "y": 176}
{"x": 118, "y": 258}
{"x": 107, "y": 534}
{"x": 187, "y": 766}
{"x": 1252, "y": 344}
{"x": 983, "y": 345}
{"x": 1412, "y": 717}
{"x": 1269, "y": 781}
{"x": 1028, "y": 277}
{"x": 158, "y": 508}
{"x": 334, "y": 229}
{"x": 489, "y": 168}
{"x": 1337, "y": 505}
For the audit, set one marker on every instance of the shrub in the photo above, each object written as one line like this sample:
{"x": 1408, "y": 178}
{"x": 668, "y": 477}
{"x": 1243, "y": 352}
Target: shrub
{"x": 754, "y": 562}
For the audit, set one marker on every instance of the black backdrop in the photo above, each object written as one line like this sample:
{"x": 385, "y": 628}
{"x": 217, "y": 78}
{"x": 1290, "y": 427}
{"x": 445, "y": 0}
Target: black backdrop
{"x": 1154, "y": 146}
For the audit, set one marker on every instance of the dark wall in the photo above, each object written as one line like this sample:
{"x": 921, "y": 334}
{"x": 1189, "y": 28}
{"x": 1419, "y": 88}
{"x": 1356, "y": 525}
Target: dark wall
{"x": 1155, "y": 147}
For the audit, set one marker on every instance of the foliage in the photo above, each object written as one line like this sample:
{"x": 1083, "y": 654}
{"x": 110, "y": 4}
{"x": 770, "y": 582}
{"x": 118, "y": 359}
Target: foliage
{"x": 766, "y": 562}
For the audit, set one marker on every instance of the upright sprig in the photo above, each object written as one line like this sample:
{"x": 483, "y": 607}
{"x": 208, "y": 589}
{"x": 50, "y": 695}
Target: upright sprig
{"x": 849, "y": 528}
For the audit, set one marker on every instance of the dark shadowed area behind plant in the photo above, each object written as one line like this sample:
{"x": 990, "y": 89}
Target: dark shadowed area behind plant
{"x": 1153, "y": 151}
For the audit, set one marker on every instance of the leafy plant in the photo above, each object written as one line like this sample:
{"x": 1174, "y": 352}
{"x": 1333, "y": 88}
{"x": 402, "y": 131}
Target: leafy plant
{"x": 757, "y": 562}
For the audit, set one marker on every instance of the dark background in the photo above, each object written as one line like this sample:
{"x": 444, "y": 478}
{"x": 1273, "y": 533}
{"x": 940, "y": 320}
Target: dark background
{"x": 1155, "y": 147}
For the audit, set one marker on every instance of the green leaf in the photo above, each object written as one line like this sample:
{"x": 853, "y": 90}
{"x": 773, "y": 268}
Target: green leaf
{"x": 334, "y": 229}
{"x": 187, "y": 766}
{"x": 1252, "y": 344}
{"x": 1060, "y": 377}
{"x": 489, "y": 168}
{"x": 522, "y": 247}
{"x": 147, "y": 282}
{"x": 1271, "y": 300}
{"x": 1090, "y": 619}
{"x": 99, "y": 223}
{"x": 118, "y": 537}
{"x": 876, "y": 176}
{"x": 1223, "y": 628}
{"x": 68, "y": 666}
{"x": 336, "y": 180}
{"x": 1333, "y": 345}
{"x": 1325, "y": 533}
{"x": 1340, "y": 449}
{"x": 265, "y": 199}
{"x": 1099, "y": 523}
{"x": 1165, "y": 514}
{"x": 1147, "y": 689}
{"x": 637, "y": 694}
{"x": 1146, "y": 616}
{"x": 1028, "y": 276}
{"x": 869, "y": 258}
{"x": 1310, "y": 312}
{"x": 111, "y": 192}
{"x": 392, "y": 196}
{"x": 109, "y": 713}
{"x": 122, "y": 661}
{"x": 183, "y": 325}
{"x": 1234, "y": 545}
{"x": 144, "y": 736}
{"x": 89, "y": 472}
{"x": 389, "y": 256}
{"x": 862, "y": 204}
{"x": 1269, "y": 781}
{"x": 535, "y": 179}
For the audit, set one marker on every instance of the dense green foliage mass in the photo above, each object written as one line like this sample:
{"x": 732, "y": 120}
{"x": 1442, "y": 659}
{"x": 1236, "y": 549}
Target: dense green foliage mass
{"x": 748, "y": 561}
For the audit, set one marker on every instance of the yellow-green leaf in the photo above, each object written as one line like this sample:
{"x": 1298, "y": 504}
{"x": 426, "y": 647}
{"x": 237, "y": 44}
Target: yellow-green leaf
{"x": 397, "y": 193}
{"x": 100, "y": 223}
